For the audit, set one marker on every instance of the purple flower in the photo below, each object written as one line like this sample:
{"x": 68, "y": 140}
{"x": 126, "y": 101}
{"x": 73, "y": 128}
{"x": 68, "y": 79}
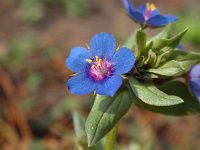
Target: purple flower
{"x": 99, "y": 68}
{"x": 148, "y": 15}
{"x": 194, "y": 81}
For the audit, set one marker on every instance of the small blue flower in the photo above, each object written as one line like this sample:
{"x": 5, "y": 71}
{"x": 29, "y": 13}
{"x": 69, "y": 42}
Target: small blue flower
{"x": 194, "y": 77}
{"x": 99, "y": 68}
{"x": 194, "y": 81}
{"x": 148, "y": 15}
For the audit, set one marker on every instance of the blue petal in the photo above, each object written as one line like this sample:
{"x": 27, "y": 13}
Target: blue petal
{"x": 129, "y": 6}
{"x": 142, "y": 8}
{"x": 194, "y": 80}
{"x": 195, "y": 86}
{"x": 77, "y": 59}
{"x": 109, "y": 86}
{"x": 180, "y": 47}
{"x": 157, "y": 21}
{"x": 103, "y": 45}
{"x": 195, "y": 72}
{"x": 80, "y": 84}
{"x": 138, "y": 17}
{"x": 155, "y": 12}
{"x": 124, "y": 60}
{"x": 171, "y": 18}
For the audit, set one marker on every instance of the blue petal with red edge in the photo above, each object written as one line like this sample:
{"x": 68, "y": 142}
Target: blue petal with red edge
{"x": 171, "y": 18}
{"x": 110, "y": 86}
{"x": 124, "y": 60}
{"x": 80, "y": 84}
{"x": 103, "y": 44}
{"x": 157, "y": 21}
{"x": 77, "y": 59}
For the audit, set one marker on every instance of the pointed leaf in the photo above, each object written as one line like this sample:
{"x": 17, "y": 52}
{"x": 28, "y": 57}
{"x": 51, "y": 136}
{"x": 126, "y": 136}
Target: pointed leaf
{"x": 79, "y": 124}
{"x": 141, "y": 39}
{"x": 105, "y": 113}
{"x": 164, "y": 34}
{"x": 173, "y": 68}
{"x": 190, "y": 105}
{"x": 178, "y": 63}
{"x": 171, "y": 42}
{"x": 149, "y": 94}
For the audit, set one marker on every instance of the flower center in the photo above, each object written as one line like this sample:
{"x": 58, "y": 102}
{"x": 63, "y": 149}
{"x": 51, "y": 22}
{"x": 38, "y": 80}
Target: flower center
{"x": 99, "y": 69}
{"x": 149, "y": 9}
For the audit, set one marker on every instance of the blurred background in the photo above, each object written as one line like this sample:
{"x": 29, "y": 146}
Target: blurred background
{"x": 36, "y": 37}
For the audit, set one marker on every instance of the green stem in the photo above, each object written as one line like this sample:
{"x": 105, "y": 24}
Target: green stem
{"x": 110, "y": 139}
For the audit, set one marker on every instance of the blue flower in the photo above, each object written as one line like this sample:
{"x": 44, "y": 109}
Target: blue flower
{"x": 99, "y": 68}
{"x": 194, "y": 81}
{"x": 194, "y": 77}
{"x": 148, "y": 15}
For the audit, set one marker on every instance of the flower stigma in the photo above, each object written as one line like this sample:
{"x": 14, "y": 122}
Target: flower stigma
{"x": 149, "y": 9}
{"x": 99, "y": 69}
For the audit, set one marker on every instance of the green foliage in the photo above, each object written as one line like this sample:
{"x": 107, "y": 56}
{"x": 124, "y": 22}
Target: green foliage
{"x": 164, "y": 34}
{"x": 105, "y": 113}
{"x": 141, "y": 39}
{"x": 157, "y": 57}
{"x": 131, "y": 41}
{"x": 172, "y": 42}
{"x": 177, "y": 64}
{"x": 79, "y": 128}
{"x": 189, "y": 106}
{"x": 148, "y": 93}
{"x": 190, "y": 19}
{"x": 79, "y": 124}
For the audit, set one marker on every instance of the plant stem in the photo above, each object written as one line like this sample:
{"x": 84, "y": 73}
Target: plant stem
{"x": 110, "y": 139}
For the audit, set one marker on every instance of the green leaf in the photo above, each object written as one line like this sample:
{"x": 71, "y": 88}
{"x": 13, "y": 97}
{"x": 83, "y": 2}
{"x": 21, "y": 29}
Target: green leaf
{"x": 171, "y": 42}
{"x": 131, "y": 41}
{"x": 151, "y": 59}
{"x": 149, "y": 94}
{"x": 141, "y": 39}
{"x": 105, "y": 113}
{"x": 180, "y": 55}
{"x": 164, "y": 34}
{"x": 178, "y": 63}
{"x": 162, "y": 57}
{"x": 190, "y": 105}
{"x": 147, "y": 48}
{"x": 173, "y": 68}
{"x": 79, "y": 124}
{"x": 79, "y": 127}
